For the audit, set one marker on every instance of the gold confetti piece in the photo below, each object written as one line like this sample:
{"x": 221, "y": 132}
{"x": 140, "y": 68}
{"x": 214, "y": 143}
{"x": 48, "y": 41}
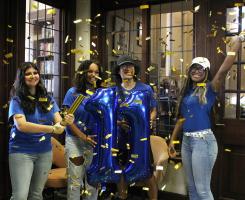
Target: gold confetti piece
{"x": 107, "y": 42}
{"x": 9, "y": 40}
{"x": 114, "y": 150}
{"x": 231, "y": 53}
{"x": 131, "y": 161}
{"x": 42, "y": 139}
{"x": 174, "y": 69}
{"x": 118, "y": 171}
{"x": 163, "y": 187}
{"x": 76, "y": 51}
{"x": 143, "y": 139}
{"x": 13, "y": 135}
{"x": 132, "y": 184}
{"x": 64, "y": 77}
{"x": 145, "y": 6}
{"x": 50, "y": 107}
{"x": 201, "y": 84}
{"x": 177, "y": 166}
{"x": 67, "y": 38}
{"x": 98, "y": 15}
{"x": 108, "y": 72}
{"x": 5, "y": 106}
{"x": 93, "y": 44}
{"x": 219, "y": 50}
{"x": 89, "y": 92}
{"x": 31, "y": 98}
{"x": 97, "y": 78}
{"x": 160, "y": 168}
{"x": 114, "y": 154}
{"x": 103, "y": 146}
{"x": 77, "y": 21}
{"x": 176, "y": 142}
{"x": 210, "y": 13}
{"x": 43, "y": 99}
{"x": 9, "y": 26}
{"x": 238, "y": 4}
{"x": 108, "y": 136}
{"x": 8, "y": 55}
{"x": 5, "y": 62}
{"x": 148, "y": 38}
{"x": 150, "y": 68}
{"x": 114, "y": 51}
{"x": 34, "y": 6}
{"x": 128, "y": 146}
{"x": 196, "y": 9}
{"x": 124, "y": 105}
{"x": 138, "y": 101}
{"x": 134, "y": 155}
{"x": 145, "y": 188}
{"x": 51, "y": 11}
{"x": 63, "y": 62}
{"x": 94, "y": 154}
{"x": 227, "y": 150}
{"x": 88, "y": 20}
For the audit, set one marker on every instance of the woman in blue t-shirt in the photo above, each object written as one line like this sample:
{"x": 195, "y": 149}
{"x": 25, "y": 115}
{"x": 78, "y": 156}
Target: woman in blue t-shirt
{"x": 126, "y": 83}
{"x": 199, "y": 146}
{"x": 79, "y": 136}
{"x": 33, "y": 115}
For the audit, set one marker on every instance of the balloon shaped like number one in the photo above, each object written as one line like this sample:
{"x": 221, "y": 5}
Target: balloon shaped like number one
{"x": 136, "y": 109}
{"x": 102, "y": 105}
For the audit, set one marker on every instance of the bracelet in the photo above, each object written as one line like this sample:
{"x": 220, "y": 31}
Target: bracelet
{"x": 242, "y": 37}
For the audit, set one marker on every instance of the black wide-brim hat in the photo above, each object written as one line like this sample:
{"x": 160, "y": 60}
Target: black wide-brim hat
{"x": 125, "y": 59}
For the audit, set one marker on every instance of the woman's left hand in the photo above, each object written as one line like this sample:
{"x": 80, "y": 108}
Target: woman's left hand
{"x": 68, "y": 119}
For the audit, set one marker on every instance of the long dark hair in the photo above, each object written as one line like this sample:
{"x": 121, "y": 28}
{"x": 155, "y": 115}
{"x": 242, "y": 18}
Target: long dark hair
{"x": 199, "y": 91}
{"x": 20, "y": 89}
{"x": 80, "y": 80}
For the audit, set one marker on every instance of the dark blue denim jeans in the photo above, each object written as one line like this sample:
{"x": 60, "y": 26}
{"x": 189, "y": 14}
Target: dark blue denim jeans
{"x": 198, "y": 156}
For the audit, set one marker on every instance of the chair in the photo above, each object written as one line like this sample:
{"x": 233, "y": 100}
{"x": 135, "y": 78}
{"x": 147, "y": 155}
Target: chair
{"x": 159, "y": 149}
{"x": 57, "y": 177}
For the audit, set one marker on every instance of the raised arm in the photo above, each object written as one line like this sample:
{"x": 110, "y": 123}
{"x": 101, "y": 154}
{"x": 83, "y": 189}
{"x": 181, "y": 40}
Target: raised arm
{"x": 227, "y": 64}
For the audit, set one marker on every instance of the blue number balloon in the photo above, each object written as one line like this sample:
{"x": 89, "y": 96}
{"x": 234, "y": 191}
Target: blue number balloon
{"x": 136, "y": 110}
{"x": 102, "y": 104}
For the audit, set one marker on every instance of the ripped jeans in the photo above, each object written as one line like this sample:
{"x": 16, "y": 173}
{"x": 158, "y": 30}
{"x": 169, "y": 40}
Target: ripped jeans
{"x": 75, "y": 147}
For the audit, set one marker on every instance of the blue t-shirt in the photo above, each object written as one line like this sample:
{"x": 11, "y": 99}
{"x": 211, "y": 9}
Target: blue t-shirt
{"x": 83, "y": 119}
{"x": 197, "y": 116}
{"x": 30, "y": 143}
{"x": 141, "y": 87}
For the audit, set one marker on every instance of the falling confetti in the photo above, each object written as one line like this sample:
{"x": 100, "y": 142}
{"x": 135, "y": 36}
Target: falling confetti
{"x": 77, "y": 21}
{"x": 142, "y": 7}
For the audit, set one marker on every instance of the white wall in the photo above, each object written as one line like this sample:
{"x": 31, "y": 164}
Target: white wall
{"x": 83, "y": 29}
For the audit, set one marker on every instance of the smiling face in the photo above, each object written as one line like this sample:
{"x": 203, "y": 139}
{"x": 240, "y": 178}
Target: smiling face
{"x": 197, "y": 73}
{"x": 32, "y": 77}
{"x": 93, "y": 73}
{"x": 127, "y": 71}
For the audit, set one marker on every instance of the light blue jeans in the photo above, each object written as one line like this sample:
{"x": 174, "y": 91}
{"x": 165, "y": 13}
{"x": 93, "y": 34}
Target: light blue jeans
{"x": 29, "y": 173}
{"x": 198, "y": 156}
{"x": 75, "y": 147}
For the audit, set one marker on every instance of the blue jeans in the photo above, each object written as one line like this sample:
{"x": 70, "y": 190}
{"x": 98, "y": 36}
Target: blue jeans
{"x": 198, "y": 156}
{"x": 75, "y": 147}
{"x": 29, "y": 173}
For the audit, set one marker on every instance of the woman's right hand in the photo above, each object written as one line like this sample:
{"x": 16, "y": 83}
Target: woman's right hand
{"x": 58, "y": 128}
{"x": 171, "y": 150}
{"x": 90, "y": 140}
